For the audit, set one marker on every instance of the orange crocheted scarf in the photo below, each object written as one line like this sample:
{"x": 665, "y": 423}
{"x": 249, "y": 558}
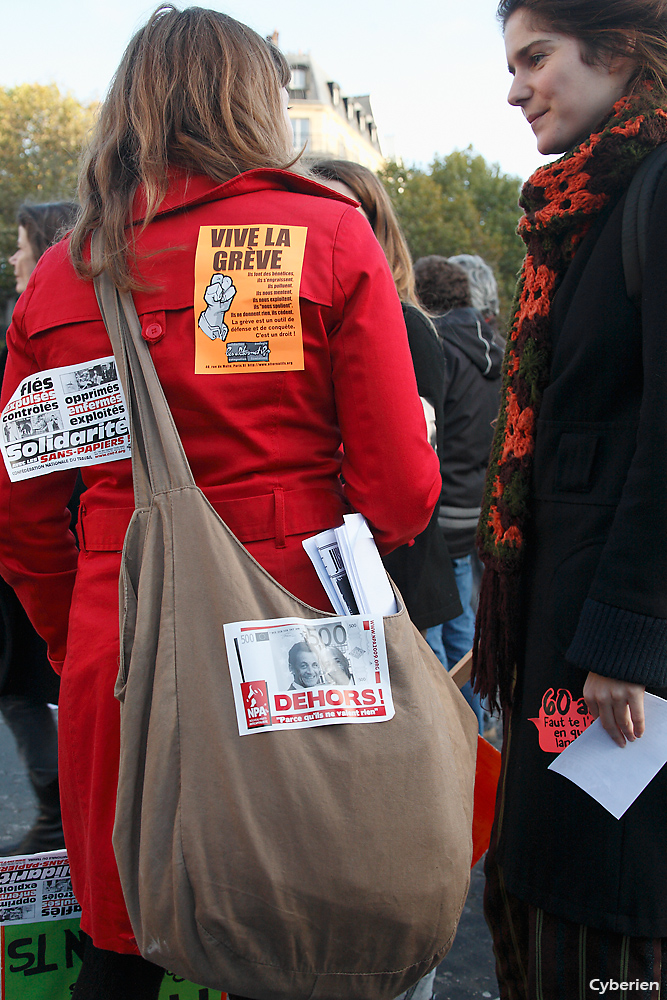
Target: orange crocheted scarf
{"x": 560, "y": 201}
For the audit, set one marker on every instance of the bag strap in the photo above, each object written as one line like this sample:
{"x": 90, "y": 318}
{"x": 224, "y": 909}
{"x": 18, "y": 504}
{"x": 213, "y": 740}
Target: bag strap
{"x": 159, "y": 462}
{"x": 636, "y": 216}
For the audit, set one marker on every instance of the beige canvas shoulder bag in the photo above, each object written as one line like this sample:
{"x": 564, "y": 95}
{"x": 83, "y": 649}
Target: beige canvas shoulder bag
{"x": 329, "y": 862}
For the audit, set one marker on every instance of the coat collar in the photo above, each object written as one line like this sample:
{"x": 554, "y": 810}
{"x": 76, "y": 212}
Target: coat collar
{"x": 188, "y": 189}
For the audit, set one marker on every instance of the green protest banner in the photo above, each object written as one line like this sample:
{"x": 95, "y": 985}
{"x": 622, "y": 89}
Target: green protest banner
{"x": 42, "y": 961}
{"x": 41, "y": 944}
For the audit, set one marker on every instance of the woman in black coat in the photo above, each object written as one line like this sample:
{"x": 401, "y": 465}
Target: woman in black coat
{"x": 573, "y": 609}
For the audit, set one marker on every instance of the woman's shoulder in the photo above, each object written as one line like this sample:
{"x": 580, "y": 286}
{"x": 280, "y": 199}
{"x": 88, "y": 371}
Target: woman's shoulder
{"x": 282, "y": 186}
{"x": 426, "y": 348}
{"x": 421, "y": 329}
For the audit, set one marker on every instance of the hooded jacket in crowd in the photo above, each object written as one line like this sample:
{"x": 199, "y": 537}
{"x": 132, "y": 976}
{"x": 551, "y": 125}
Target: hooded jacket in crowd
{"x": 472, "y": 395}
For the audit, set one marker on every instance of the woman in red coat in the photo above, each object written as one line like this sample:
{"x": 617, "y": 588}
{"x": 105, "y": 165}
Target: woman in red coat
{"x": 193, "y": 149}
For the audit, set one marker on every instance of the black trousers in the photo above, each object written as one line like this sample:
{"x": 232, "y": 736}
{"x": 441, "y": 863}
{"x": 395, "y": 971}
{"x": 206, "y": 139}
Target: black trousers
{"x": 106, "y": 975}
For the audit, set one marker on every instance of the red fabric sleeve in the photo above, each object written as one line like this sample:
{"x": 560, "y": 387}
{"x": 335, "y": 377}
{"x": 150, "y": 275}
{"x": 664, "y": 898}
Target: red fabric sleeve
{"x": 38, "y": 553}
{"x": 389, "y": 468}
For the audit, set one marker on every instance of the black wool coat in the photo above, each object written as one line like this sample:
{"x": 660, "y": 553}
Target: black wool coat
{"x": 595, "y": 589}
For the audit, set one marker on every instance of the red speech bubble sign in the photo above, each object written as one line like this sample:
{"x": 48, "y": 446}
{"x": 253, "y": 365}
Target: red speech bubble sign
{"x": 561, "y": 719}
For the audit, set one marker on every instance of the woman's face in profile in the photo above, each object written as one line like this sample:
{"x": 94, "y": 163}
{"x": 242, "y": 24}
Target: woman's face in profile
{"x": 23, "y": 261}
{"x": 562, "y": 97}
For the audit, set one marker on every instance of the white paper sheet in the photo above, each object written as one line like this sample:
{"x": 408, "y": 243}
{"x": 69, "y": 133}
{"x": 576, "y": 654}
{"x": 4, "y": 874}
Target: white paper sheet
{"x": 615, "y": 776}
{"x": 350, "y": 569}
{"x": 368, "y": 576}
{"x": 312, "y": 546}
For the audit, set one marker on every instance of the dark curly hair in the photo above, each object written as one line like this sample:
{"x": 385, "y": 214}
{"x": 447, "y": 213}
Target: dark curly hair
{"x": 440, "y": 285}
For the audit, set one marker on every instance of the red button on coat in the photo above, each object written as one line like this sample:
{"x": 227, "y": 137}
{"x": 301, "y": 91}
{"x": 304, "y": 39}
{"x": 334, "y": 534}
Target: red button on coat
{"x": 153, "y": 333}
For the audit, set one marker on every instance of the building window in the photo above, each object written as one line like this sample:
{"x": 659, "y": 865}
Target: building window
{"x": 299, "y": 78}
{"x": 301, "y": 127}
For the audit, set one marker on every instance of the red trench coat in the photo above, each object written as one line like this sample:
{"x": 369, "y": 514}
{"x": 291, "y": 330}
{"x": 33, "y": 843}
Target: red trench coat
{"x": 265, "y": 447}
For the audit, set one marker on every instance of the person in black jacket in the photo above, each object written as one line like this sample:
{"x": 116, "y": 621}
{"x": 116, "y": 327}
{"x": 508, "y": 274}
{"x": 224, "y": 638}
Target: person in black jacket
{"x": 483, "y": 288}
{"x": 472, "y": 392}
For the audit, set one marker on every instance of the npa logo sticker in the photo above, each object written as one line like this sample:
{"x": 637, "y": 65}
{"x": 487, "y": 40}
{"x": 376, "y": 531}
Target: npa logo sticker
{"x": 256, "y": 704}
{"x": 561, "y": 719}
{"x": 247, "y": 281}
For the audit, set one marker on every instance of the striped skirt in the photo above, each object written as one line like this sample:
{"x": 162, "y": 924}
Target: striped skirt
{"x": 543, "y": 957}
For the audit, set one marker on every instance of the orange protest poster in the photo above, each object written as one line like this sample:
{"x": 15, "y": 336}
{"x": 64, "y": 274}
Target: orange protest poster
{"x": 247, "y": 282}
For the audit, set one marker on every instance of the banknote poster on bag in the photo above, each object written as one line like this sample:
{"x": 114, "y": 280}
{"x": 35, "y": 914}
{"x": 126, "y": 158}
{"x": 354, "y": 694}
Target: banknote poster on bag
{"x": 247, "y": 281}
{"x": 293, "y": 673}
{"x": 41, "y": 942}
{"x": 65, "y": 418}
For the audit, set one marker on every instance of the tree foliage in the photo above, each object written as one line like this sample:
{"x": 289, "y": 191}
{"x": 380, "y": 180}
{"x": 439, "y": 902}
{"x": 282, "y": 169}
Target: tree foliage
{"x": 461, "y": 204}
{"x": 41, "y": 135}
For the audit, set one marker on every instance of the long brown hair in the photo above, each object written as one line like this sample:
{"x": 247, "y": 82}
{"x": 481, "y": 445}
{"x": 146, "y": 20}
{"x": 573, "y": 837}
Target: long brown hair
{"x": 607, "y": 28}
{"x": 379, "y": 211}
{"x": 46, "y": 223}
{"x": 195, "y": 89}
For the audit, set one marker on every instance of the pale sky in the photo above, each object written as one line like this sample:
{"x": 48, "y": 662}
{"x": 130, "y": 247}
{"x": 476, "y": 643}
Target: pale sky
{"x": 435, "y": 69}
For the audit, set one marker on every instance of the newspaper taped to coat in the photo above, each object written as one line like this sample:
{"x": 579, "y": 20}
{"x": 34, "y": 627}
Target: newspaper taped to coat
{"x": 65, "y": 418}
{"x": 293, "y": 673}
{"x": 36, "y": 888}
